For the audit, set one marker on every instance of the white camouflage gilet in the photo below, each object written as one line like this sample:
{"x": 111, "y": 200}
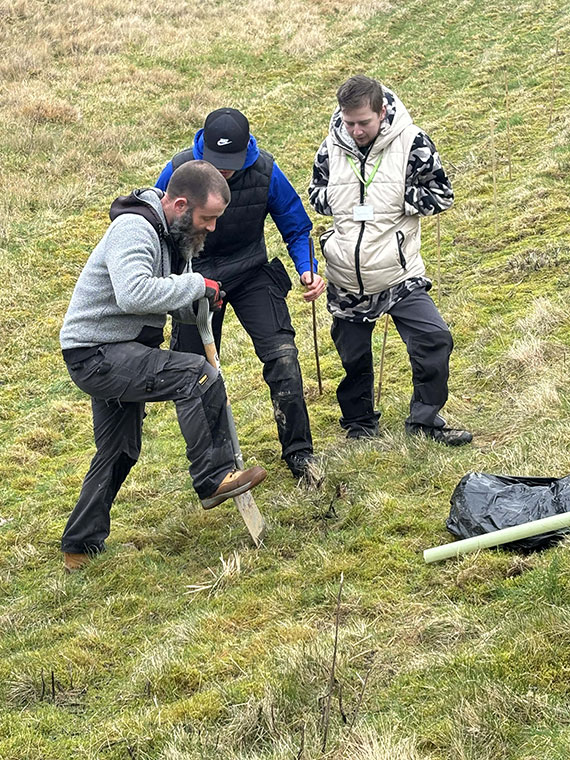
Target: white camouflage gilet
{"x": 371, "y": 256}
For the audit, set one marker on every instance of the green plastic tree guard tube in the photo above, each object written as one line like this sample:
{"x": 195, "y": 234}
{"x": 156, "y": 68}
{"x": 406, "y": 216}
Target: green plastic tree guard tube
{"x": 487, "y": 540}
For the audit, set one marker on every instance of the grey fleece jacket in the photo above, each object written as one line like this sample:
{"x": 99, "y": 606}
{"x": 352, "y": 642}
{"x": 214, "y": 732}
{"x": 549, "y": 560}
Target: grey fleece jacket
{"x": 126, "y": 284}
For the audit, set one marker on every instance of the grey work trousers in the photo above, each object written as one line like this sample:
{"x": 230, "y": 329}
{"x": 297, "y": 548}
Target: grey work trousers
{"x": 429, "y": 345}
{"x": 121, "y": 378}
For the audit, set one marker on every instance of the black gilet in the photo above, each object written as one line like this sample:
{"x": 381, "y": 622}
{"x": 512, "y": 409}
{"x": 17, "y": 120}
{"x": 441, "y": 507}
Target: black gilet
{"x": 237, "y": 245}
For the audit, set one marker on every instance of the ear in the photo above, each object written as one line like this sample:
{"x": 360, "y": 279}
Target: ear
{"x": 180, "y": 204}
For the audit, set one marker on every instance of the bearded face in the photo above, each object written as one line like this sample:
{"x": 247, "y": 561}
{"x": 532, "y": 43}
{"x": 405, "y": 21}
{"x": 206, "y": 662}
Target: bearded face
{"x": 188, "y": 238}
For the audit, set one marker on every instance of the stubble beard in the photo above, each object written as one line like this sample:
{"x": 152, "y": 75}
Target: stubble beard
{"x": 190, "y": 241}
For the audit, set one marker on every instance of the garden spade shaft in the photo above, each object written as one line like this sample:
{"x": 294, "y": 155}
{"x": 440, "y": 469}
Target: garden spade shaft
{"x": 245, "y": 502}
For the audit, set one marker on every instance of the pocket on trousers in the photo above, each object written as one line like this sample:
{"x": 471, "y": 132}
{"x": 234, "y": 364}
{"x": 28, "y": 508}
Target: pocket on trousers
{"x": 175, "y": 372}
{"x": 278, "y": 274}
{"x": 278, "y": 290}
{"x": 280, "y": 312}
{"x": 97, "y": 377}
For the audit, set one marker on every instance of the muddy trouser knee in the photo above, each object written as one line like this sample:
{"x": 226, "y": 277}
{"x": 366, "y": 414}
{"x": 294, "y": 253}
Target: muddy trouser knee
{"x": 121, "y": 378}
{"x": 355, "y": 392}
{"x": 281, "y": 372}
{"x": 260, "y": 306}
{"x": 283, "y": 376}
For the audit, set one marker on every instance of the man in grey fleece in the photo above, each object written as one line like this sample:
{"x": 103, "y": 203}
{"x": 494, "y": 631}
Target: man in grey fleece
{"x": 139, "y": 272}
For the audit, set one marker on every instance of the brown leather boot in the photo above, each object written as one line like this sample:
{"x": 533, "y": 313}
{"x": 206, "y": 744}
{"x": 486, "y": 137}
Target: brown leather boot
{"x": 235, "y": 482}
{"x": 74, "y": 562}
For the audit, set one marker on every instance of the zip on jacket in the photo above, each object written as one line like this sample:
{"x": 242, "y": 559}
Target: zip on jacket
{"x": 362, "y": 226}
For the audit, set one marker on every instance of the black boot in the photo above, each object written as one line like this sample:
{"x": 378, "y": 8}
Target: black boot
{"x": 445, "y": 435}
{"x": 305, "y": 469}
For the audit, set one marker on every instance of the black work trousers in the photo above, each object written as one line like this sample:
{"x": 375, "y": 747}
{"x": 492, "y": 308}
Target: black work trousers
{"x": 429, "y": 345}
{"x": 120, "y": 378}
{"x": 259, "y": 304}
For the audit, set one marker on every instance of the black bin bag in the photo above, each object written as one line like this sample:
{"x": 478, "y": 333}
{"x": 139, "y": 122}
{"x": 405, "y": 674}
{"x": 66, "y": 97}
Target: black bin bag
{"x": 482, "y": 503}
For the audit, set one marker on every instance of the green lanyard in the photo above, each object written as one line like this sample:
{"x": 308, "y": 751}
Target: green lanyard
{"x": 359, "y": 175}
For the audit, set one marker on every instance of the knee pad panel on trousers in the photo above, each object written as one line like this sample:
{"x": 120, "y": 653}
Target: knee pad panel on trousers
{"x": 208, "y": 377}
{"x": 282, "y": 345}
{"x": 283, "y": 376}
{"x": 282, "y": 368}
{"x": 214, "y": 404}
{"x": 429, "y": 356}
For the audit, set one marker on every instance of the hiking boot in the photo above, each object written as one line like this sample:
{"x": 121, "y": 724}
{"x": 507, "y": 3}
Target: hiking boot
{"x": 74, "y": 562}
{"x": 445, "y": 435}
{"x": 305, "y": 469}
{"x": 235, "y": 482}
{"x": 361, "y": 433}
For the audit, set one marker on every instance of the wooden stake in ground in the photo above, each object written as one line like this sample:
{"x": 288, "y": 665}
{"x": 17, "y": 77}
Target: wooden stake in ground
{"x": 508, "y": 125}
{"x": 438, "y": 235}
{"x": 381, "y": 371}
{"x": 311, "y": 262}
{"x": 332, "y": 678}
{"x": 553, "y": 84}
{"x": 494, "y": 163}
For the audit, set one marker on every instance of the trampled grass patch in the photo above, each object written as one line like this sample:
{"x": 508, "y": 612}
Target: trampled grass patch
{"x": 183, "y": 642}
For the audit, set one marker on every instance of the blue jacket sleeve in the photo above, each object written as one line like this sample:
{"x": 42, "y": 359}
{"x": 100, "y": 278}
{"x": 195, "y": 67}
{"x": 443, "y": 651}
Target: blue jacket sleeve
{"x": 165, "y": 176}
{"x": 291, "y": 219}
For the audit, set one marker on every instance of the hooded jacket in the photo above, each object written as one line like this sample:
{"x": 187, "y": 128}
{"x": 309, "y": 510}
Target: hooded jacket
{"x": 127, "y": 285}
{"x": 371, "y": 256}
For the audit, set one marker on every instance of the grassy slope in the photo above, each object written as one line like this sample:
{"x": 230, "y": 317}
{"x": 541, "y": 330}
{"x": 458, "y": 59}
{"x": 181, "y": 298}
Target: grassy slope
{"x": 465, "y": 660}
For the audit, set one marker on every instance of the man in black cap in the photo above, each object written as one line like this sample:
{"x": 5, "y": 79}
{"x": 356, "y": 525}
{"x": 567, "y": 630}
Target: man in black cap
{"x": 235, "y": 255}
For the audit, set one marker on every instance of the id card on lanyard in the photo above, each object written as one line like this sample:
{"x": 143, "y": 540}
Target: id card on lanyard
{"x": 364, "y": 212}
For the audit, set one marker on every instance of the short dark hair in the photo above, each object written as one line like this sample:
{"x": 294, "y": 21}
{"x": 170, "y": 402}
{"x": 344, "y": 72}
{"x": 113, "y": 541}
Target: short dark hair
{"x": 195, "y": 181}
{"x": 359, "y": 91}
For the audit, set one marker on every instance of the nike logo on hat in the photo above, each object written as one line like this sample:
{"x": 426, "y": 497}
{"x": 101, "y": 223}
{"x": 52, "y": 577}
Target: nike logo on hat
{"x": 223, "y": 141}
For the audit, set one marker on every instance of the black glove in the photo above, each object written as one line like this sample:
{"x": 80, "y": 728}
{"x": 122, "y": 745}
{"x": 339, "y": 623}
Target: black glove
{"x": 213, "y": 293}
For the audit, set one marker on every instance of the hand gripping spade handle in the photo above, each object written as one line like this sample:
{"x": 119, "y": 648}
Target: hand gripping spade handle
{"x": 245, "y": 502}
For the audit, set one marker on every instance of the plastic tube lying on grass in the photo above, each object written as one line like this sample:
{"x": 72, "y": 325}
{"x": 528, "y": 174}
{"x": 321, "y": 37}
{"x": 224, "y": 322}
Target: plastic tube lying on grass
{"x": 488, "y": 540}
